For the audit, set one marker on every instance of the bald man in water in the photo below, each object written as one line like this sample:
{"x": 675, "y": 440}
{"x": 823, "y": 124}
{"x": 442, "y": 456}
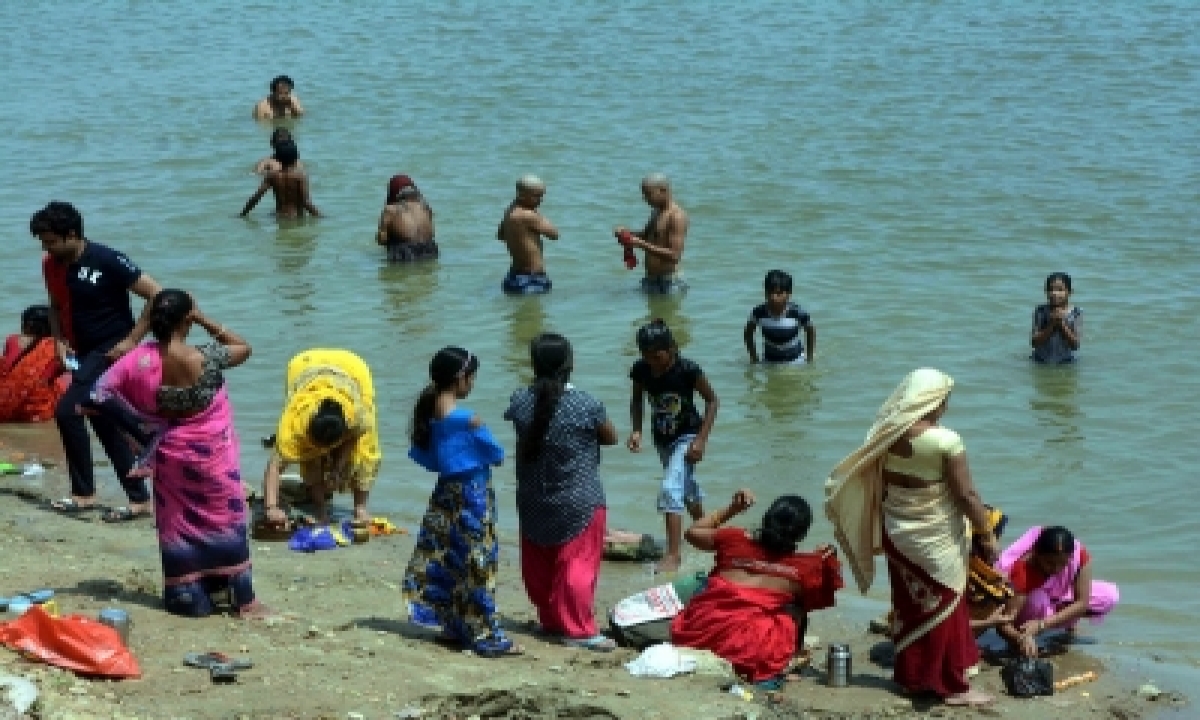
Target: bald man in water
{"x": 522, "y": 230}
{"x": 662, "y": 239}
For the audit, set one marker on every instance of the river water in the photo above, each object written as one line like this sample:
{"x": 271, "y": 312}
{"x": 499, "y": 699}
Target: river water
{"x": 919, "y": 170}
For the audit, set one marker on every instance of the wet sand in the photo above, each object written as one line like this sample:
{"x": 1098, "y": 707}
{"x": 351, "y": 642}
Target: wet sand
{"x": 341, "y": 649}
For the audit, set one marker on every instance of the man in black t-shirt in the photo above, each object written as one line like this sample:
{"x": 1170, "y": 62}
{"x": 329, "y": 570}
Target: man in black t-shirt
{"x": 92, "y": 321}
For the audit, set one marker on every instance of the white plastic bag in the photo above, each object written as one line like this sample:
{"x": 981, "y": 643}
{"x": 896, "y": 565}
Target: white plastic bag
{"x": 19, "y": 693}
{"x": 661, "y": 661}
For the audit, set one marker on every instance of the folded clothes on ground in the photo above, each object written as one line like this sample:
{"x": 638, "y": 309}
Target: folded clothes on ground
{"x": 320, "y": 537}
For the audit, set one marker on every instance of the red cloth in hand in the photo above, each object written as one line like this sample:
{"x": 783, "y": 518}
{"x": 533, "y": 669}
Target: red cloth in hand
{"x": 626, "y": 239}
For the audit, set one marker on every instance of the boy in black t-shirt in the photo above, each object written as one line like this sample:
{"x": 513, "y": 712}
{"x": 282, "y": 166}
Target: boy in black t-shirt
{"x": 680, "y": 433}
{"x": 92, "y": 321}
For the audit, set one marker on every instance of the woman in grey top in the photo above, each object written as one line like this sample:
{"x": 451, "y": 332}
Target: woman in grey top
{"x": 1057, "y": 325}
{"x": 560, "y": 501}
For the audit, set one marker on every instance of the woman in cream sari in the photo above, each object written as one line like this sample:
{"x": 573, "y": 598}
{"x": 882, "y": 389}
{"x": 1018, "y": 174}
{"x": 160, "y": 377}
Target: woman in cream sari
{"x": 328, "y": 427}
{"x": 907, "y": 493}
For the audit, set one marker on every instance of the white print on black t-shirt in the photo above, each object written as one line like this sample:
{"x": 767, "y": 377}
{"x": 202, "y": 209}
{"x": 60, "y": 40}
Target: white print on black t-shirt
{"x": 667, "y": 408}
{"x": 90, "y": 275}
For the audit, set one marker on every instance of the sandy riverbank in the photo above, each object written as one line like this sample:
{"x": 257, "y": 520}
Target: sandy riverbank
{"x": 343, "y": 650}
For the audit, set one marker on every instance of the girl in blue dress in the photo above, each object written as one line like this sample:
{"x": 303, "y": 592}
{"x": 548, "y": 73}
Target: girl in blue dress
{"x": 450, "y": 583}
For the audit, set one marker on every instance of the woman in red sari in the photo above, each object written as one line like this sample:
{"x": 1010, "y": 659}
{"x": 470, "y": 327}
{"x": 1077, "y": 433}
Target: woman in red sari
{"x": 754, "y": 607}
{"x": 31, "y": 377}
{"x": 908, "y": 493}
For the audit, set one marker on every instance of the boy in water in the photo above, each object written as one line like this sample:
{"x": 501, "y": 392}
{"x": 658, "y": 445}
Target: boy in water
{"x": 780, "y": 320}
{"x": 680, "y": 433}
{"x": 289, "y": 184}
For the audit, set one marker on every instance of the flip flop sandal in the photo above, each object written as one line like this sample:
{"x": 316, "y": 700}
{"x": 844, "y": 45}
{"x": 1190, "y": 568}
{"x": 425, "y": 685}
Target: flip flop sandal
{"x": 37, "y": 597}
{"x": 123, "y": 514}
{"x": 222, "y": 673}
{"x": 69, "y": 506}
{"x": 599, "y": 643}
{"x": 209, "y": 660}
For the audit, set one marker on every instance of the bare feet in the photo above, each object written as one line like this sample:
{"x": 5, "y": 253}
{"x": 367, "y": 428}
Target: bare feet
{"x": 970, "y": 697}
{"x": 669, "y": 564}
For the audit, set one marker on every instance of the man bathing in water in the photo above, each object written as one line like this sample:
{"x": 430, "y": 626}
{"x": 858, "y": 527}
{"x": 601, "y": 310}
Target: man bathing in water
{"x": 522, "y": 230}
{"x": 662, "y": 239}
{"x": 281, "y": 103}
{"x": 270, "y": 164}
{"x": 406, "y": 224}
{"x": 290, "y": 186}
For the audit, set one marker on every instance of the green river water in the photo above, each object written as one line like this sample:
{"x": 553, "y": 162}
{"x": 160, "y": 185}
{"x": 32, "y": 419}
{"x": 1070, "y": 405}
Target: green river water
{"x": 919, "y": 168}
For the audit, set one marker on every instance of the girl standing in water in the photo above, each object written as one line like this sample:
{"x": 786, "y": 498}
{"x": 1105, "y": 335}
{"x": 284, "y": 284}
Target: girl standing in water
{"x": 450, "y": 583}
{"x": 1057, "y": 326}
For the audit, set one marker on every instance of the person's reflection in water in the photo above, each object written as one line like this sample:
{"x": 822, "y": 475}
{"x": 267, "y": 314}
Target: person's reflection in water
{"x": 410, "y": 296}
{"x": 1054, "y": 402}
{"x": 1056, "y": 410}
{"x": 526, "y": 320}
{"x": 295, "y": 243}
{"x": 786, "y": 392}
{"x": 667, "y": 308}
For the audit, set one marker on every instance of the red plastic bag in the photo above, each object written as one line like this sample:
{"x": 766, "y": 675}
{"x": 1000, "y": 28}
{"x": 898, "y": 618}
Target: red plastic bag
{"x": 73, "y": 642}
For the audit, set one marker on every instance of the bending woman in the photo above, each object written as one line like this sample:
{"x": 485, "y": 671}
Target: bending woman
{"x": 328, "y": 427}
{"x": 560, "y": 501}
{"x": 450, "y": 583}
{"x": 908, "y": 491}
{"x": 32, "y": 379}
{"x": 171, "y": 397}
{"x": 1051, "y": 574}
{"x": 753, "y": 610}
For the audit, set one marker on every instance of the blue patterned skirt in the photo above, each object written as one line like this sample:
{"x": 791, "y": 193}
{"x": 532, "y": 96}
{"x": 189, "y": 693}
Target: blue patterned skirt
{"x": 450, "y": 583}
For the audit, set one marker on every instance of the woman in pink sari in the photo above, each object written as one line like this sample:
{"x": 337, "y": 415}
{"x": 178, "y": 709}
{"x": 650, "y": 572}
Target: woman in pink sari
{"x": 1051, "y": 574}
{"x": 170, "y": 398}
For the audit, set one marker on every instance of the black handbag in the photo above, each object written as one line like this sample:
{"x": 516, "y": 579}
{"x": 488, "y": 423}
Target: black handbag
{"x": 1028, "y": 677}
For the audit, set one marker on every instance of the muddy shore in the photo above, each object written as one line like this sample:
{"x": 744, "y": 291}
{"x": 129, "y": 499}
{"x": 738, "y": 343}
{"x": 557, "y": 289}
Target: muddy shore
{"x": 341, "y": 649}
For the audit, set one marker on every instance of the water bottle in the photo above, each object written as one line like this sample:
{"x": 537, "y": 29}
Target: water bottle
{"x": 838, "y": 666}
{"x": 118, "y": 620}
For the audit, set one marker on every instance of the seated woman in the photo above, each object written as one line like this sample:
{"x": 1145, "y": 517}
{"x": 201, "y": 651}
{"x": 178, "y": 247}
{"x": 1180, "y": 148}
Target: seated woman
{"x": 753, "y": 609}
{"x": 988, "y": 591}
{"x": 32, "y": 378}
{"x": 1051, "y": 574}
{"x": 171, "y": 399}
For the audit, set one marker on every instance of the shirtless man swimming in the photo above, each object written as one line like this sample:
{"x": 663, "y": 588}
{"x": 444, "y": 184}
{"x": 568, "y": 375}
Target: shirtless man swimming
{"x": 281, "y": 103}
{"x": 290, "y": 186}
{"x": 406, "y": 224}
{"x": 522, "y": 230}
{"x": 662, "y": 239}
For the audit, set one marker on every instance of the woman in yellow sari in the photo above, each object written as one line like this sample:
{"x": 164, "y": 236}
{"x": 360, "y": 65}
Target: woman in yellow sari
{"x": 328, "y": 427}
{"x": 907, "y": 493}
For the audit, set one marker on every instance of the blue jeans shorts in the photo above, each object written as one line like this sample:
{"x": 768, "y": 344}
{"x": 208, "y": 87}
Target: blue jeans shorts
{"x": 679, "y": 477}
